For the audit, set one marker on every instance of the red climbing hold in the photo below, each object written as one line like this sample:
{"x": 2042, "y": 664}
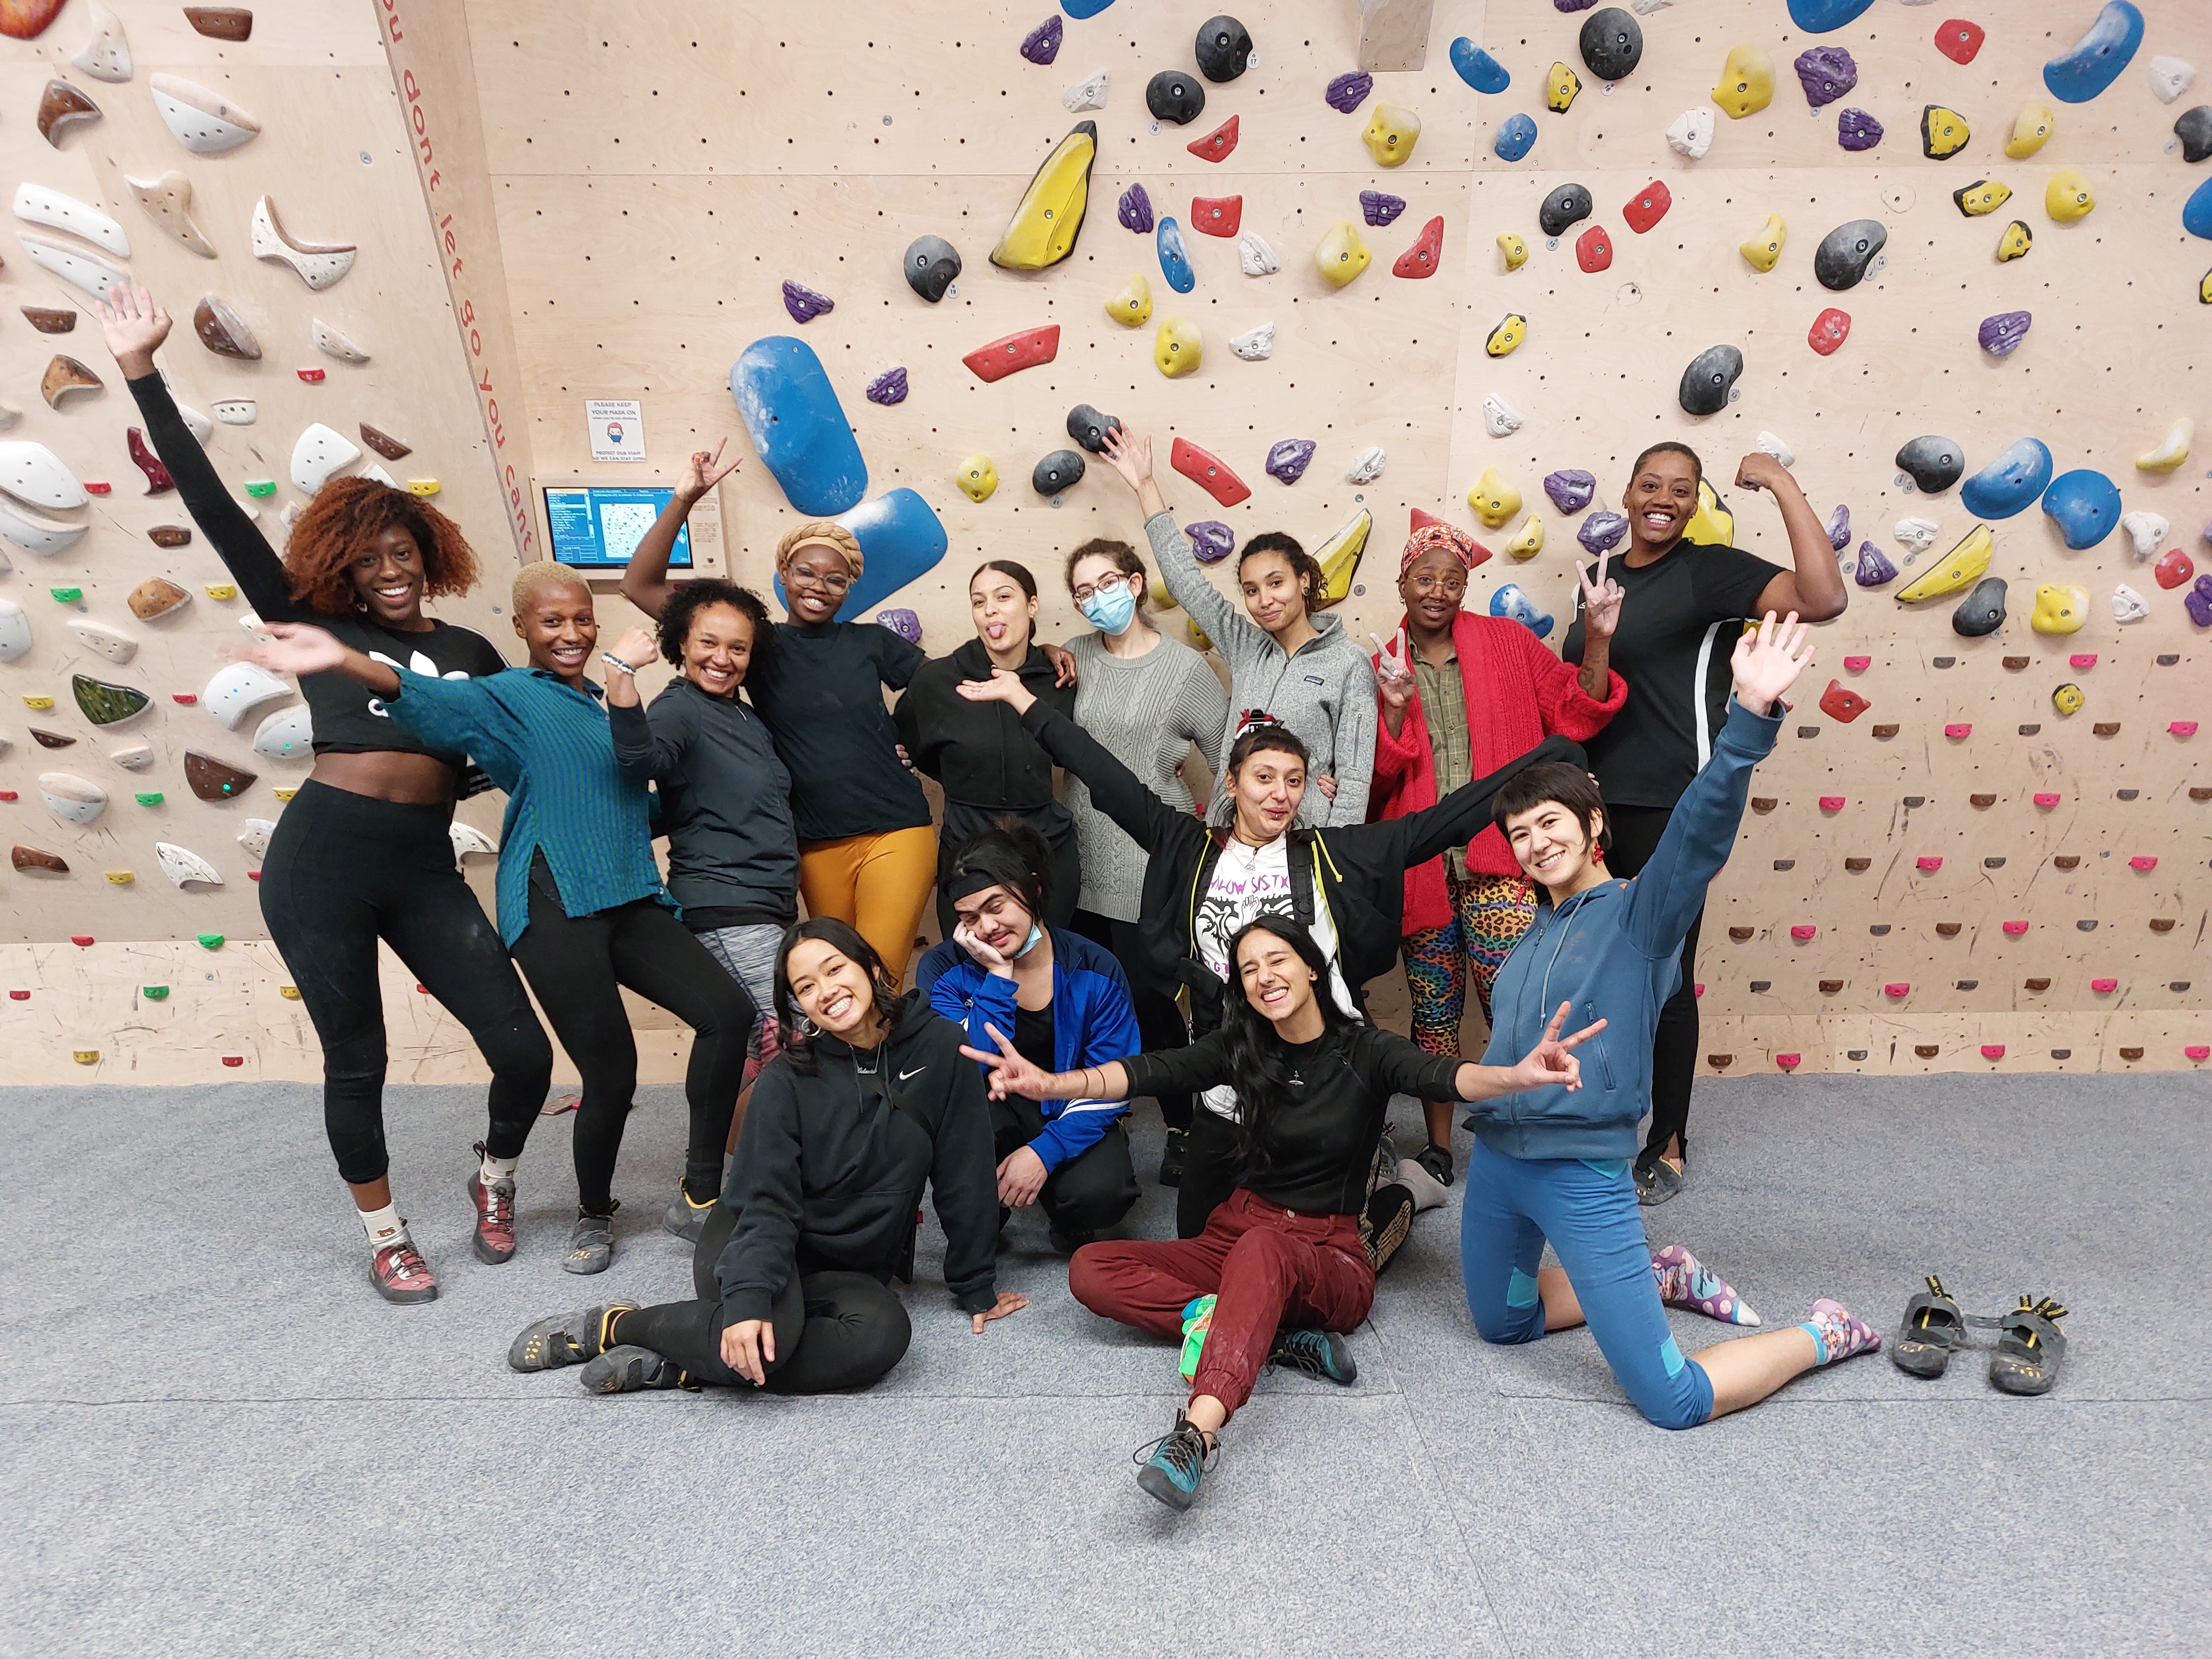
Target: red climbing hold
{"x": 7, "y": 794}
{"x": 1897, "y": 988}
{"x": 19, "y": 996}
{"x": 2182, "y": 728}
{"x": 1830, "y": 330}
{"x": 1858, "y": 665}
{"x": 91, "y": 488}
{"x": 1831, "y": 803}
{"x": 1208, "y": 473}
{"x": 2082, "y": 660}
{"x": 233, "y": 1059}
{"x": 1959, "y": 40}
{"x": 157, "y": 476}
{"x": 2171, "y": 569}
{"x": 1216, "y": 144}
{"x": 1840, "y": 702}
{"x": 1003, "y": 357}
{"x": 1217, "y": 215}
{"x": 2104, "y": 987}
{"x": 2199, "y": 1051}
{"x": 1959, "y": 729}
{"x": 1647, "y": 207}
{"x": 1993, "y": 1051}
{"x": 1930, "y": 862}
{"x": 1789, "y": 1063}
{"x": 1594, "y": 249}
{"x": 185, "y": 697}
{"x": 310, "y": 375}
{"x": 2046, "y": 800}
{"x": 2143, "y": 861}
{"x": 1802, "y": 930}
{"x": 2016, "y": 928}
{"x": 79, "y": 939}
{"x": 1427, "y": 251}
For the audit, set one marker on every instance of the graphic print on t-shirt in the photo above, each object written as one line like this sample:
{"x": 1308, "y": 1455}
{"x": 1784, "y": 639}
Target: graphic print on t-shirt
{"x": 419, "y": 663}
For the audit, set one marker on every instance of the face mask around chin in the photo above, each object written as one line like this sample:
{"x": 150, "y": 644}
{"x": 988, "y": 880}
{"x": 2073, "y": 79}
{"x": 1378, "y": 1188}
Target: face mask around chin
{"x": 1111, "y": 612}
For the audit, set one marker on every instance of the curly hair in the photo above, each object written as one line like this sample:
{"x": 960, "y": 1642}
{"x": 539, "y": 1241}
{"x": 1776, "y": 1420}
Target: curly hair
{"x": 690, "y": 597}
{"x": 346, "y": 516}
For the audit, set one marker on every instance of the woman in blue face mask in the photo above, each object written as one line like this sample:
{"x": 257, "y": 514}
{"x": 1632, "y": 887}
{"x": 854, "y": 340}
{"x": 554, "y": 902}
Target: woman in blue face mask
{"x": 1155, "y": 702}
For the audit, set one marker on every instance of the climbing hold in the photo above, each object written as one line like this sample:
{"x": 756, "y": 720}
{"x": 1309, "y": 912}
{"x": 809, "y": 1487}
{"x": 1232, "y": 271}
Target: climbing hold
{"x": 1254, "y": 254}
{"x": 1420, "y": 260}
{"x": 1562, "y": 85}
{"x": 978, "y": 477}
{"x": 1134, "y": 209}
{"x": 1820, "y": 16}
{"x": 1933, "y": 463}
{"x": 1378, "y": 208}
{"x": 2128, "y": 605}
{"x": 34, "y": 473}
{"x": 1839, "y": 527}
{"x": 78, "y": 269}
{"x": 1338, "y": 557}
{"x": 1367, "y": 465}
{"x": 2170, "y": 77}
{"x": 1217, "y": 215}
{"x": 2030, "y": 128}
{"x": 223, "y": 332}
{"x": 2098, "y": 57}
{"x": 1507, "y": 600}
{"x": 317, "y": 264}
{"x": 14, "y": 631}
{"x": 204, "y": 122}
{"x": 2084, "y": 504}
{"x": 333, "y": 343}
{"x": 1176, "y": 348}
{"x": 64, "y": 375}
{"x": 2198, "y": 602}
{"x": 67, "y": 595}
{"x": 1172, "y": 96}
{"x": 887, "y": 388}
{"x": 1647, "y": 207}
{"x": 2173, "y": 569}
{"x": 2173, "y": 450}
{"x": 1873, "y": 567}
{"x": 1477, "y": 67}
{"x": 1209, "y": 472}
{"x": 1216, "y": 144}
{"x": 244, "y": 411}
{"x": 220, "y": 22}
{"x": 1494, "y": 500}
{"x": 48, "y": 320}
{"x": 39, "y": 206}
{"x": 212, "y": 942}
{"x": 2194, "y": 128}
{"x": 61, "y": 107}
{"x": 1612, "y": 44}
{"x": 1341, "y": 256}
{"x": 1049, "y": 216}
{"x": 1089, "y": 428}
{"x": 1499, "y": 418}
{"x": 1842, "y": 704}
{"x": 104, "y": 704}
{"x": 1959, "y": 40}
{"x": 1601, "y": 532}
{"x": 1969, "y": 561}
{"x": 1566, "y": 205}
{"x": 1570, "y": 489}
{"x": 1006, "y": 355}
{"x": 1856, "y": 665}
{"x": 2060, "y": 608}
{"x": 1391, "y": 134}
{"x": 1826, "y": 73}
{"x": 1829, "y": 331}
{"x": 2001, "y": 334}
{"x": 1528, "y": 541}
{"x": 2083, "y": 660}
{"x": 1223, "y": 48}
{"x": 2068, "y": 699}
{"x": 181, "y": 865}
{"x": 1132, "y": 304}
{"x": 1840, "y": 262}
{"x": 136, "y": 757}
{"x": 72, "y": 799}
{"x": 2009, "y": 483}
{"x": 258, "y": 488}
{"x": 2068, "y": 196}
{"x": 1593, "y": 249}
{"x": 106, "y": 56}
{"x": 1175, "y": 257}
{"x": 1211, "y": 541}
{"x": 2196, "y": 213}
{"x": 1857, "y": 131}
{"x": 1287, "y": 459}
{"x": 1982, "y": 611}
{"x": 319, "y": 452}
{"x": 1709, "y": 378}
{"x": 1514, "y": 138}
{"x": 1983, "y": 196}
{"x": 804, "y": 304}
{"x": 1042, "y": 44}
{"x": 158, "y": 481}
{"x": 1056, "y": 473}
{"x": 797, "y": 427}
{"x": 1762, "y": 251}
{"x": 2015, "y": 241}
{"x": 1514, "y": 252}
{"x": 1943, "y": 132}
{"x": 34, "y": 857}
{"x": 1691, "y": 133}
{"x": 1747, "y": 82}
{"x": 1253, "y": 343}
{"x": 931, "y": 266}
{"x": 238, "y": 689}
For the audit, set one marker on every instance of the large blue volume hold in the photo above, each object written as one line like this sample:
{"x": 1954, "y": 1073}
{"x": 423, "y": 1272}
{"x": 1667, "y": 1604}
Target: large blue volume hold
{"x": 1516, "y": 135}
{"x": 2084, "y": 504}
{"x": 797, "y": 425}
{"x": 2196, "y": 211}
{"x": 1818, "y": 16}
{"x": 1477, "y": 67}
{"x": 2010, "y": 483}
{"x": 902, "y": 539}
{"x": 1080, "y": 9}
{"x": 2098, "y": 57}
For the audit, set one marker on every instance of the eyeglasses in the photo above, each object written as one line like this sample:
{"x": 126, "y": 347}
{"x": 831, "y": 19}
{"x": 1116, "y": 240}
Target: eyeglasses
{"x": 1112, "y": 582}
{"x": 1450, "y": 582}
{"x": 836, "y": 581}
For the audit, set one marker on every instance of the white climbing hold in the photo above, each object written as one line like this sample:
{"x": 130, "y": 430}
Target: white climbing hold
{"x": 1645, "y": 8}
{"x": 288, "y": 734}
{"x": 1774, "y": 446}
{"x": 111, "y": 643}
{"x": 37, "y": 204}
{"x": 254, "y": 835}
{"x": 2128, "y": 605}
{"x": 237, "y": 411}
{"x": 169, "y": 203}
{"x": 9, "y": 414}
{"x": 1088, "y": 93}
{"x": 1918, "y": 535}
{"x": 79, "y": 269}
{"x": 333, "y": 343}
{"x": 375, "y": 472}
{"x": 319, "y": 452}
{"x": 1367, "y": 465}
{"x": 72, "y": 799}
{"x": 238, "y": 689}
{"x": 14, "y": 631}
{"x": 133, "y": 756}
{"x": 181, "y": 865}
{"x": 1253, "y": 343}
{"x": 467, "y": 839}
{"x": 2145, "y": 532}
{"x": 319, "y": 264}
{"x": 1691, "y": 132}
{"x": 107, "y": 55}
{"x": 1255, "y": 256}
{"x": 34, "y": 534}
{"x": 2171, "y": 77}
{"x": 205, "y": 123}
{"x": 198, "y": 424}
{"x": 34, "y": 473}
{"x": 1499, "y": 418}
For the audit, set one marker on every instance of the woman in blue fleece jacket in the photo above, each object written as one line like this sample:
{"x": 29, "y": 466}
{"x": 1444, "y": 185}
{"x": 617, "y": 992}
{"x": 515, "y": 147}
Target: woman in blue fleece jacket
{"x": 1553, "y": 1165}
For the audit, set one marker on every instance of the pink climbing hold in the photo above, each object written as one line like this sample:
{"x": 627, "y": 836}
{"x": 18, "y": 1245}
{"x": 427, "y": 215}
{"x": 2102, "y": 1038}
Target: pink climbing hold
{"x": 2046, "y": 800}
{"x": 1829, "y": 331}
{"x": 2143, "y": 861}
{"x": 2082, "y": 660}
{"x": 2016, "y": 928}
{"x": 1959, "y": 40}
{"x": 1897, "y": 988}
{"x": 1858, "y": 665}
{"x": 1959, "y": 729}
{"x": 2199, "y": 1051}
{"x": 1789, "y": 1063}
{"x": 1697, "y": 990}
{"x": 1993, "y": 1051}
{"x": 1802, "y": 930}
{"x": 2182, "y": 728}
{"x": 1831, "y": 803}
{"x": 2104, "y": 987}
{"x": 1930, "y": 862}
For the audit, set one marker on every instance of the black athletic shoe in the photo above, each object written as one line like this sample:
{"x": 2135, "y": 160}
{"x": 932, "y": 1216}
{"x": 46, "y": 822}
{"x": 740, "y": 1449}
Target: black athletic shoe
{"x": 567, "y": 1339}
{"x": 1175, "y": 1463}
{"x": 1171, "y": 1159}
{"x": 1656, "y": 1181}
{"x": 1383, "y": 1225}
{"x": 1318, "y": 1353}
{"x": 628, "y": 1369}
{"x": 1437, "y": 1160}
{"x": 1068, "y": 1240}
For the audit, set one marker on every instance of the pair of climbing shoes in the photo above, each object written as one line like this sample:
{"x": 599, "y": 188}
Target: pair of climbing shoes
{"x": 2030, "y": 1344}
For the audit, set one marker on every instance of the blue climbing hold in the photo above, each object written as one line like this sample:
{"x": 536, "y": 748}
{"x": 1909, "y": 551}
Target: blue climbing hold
{"x": 1477, "y": 67}
{"x": 1510, "y": 602}
{"x": 2084, "y": 504}
{"x": 1516, "y": 136}
{"x": 2098, "y": 57}
{"x": 2196, "y": 211}
{"x": 2010, "y": 483}
{"x": 1174, "y": 258}
{"x": 1079, "y": 9}
{"x": 1818, "y": 16}
{"x": 797, "y": 425}
{"x": 902, "y": 539}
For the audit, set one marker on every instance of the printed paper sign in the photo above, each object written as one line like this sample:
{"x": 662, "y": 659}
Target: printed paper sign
{"x": 617, "y": 428}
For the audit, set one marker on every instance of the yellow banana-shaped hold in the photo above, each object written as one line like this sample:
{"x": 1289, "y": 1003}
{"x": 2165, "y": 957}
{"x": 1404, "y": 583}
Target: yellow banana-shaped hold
{"x": 2030, "y": 128}
{"x": 1963, "y": 565}
{"x": 1042, "y": 230}
{"x": 1507, "y": 335}
{"x": 1712, "y": 523}
{"x": 2173, "y": 449}
{"x": 1528, "y": 541}
{"x": 1339, "y": 555}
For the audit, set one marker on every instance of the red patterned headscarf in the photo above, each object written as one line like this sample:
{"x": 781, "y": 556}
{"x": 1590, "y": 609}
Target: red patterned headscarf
{"x": 1434, "y": 534}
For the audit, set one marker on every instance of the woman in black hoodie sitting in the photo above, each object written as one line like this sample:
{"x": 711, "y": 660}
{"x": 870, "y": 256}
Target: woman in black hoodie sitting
{"x": 869, "y": 1100}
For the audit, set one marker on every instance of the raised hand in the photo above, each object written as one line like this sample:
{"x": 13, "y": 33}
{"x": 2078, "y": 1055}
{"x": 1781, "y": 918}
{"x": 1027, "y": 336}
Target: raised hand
{"x": 1128, "y": 454}
{"x": 706, "y": 469}
{"x": 1601, "y": 598}
{"x": 1760, "y": 470}
{"x": 637, "y": 646}
{"x": 1768, "y": 662}
{"x": 1394, "y": 680}
{"x": 134, "y": 327}
{"x": 1004, "y": 686}
{"x": 294, "y": 648}
{"x": 1010, "y": 1075}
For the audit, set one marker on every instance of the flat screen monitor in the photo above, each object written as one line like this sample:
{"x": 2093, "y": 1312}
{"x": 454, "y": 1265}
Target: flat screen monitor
{"x": 599, "y": 527}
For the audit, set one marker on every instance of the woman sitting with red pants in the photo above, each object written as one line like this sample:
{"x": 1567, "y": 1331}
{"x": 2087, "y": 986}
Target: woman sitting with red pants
{"x": 1282, "y": 1256}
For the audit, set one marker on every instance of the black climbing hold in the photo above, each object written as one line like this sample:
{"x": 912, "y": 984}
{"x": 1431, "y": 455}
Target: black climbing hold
{"x": 1089, "y": 428}
{"x": 1983, "y": 610}
{"x": 1934, "y": 462}
{"x": 1845, "y": 253}
{"x": 1706, "y": 381}
{"x": 932, "y": 266}
{"x": 1224, "y": 47}
{"x": 1612, "y": 43}
{"x": 2194, "y": 128}
{"x": 1172, "y": 96}
{"x": 1057, "y": 471}
{"x": 1564, "y": 207}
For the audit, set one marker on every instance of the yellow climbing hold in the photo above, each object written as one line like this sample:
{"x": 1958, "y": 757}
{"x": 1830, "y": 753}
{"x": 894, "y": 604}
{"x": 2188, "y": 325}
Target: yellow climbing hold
{"x": 122, "y": 877}
{"x": 2060, "y": 608}
{"x": 1528, "y": 541}
{"x": 2173, "y": 449}
{"x": 1050, "y": 212}
{"x": 2068, "y": 699}
{"x": 2015, "y": 241}
{"x": 422, "y": 486}
{"x": 1391, "y": 134}
{"x": 1341, "y": 255}
{"x": 85, "y": 1056}
{"x": 289, "y": 993}
{"x": 1712, "y": 523}
{"x": 2068, "y": 197}
{"x": 1507, "y": 335}
{"x": 1747, "y": 82}
{"x": 40, "y": 703}
{"x": 1512, "y": 250}
{"x": 285, "y": 794}
{"x": 222, "y": 590}
{"x": 1763, "y": 250}
{"x": 1560, "y": 87}
{"x": 1494, "y": 500}
{"x": 1176, "y": 347}
{"x": 1339, "y": 555}
{"x": 1198, "y": 639}
{"x": 1942, "y": 132}
{"x": 1964, "y": 565}
{"x": 2029, "y": 129}
{"x": 978, "y": 477}
{"x": 2204, "y": 289}
{"x": 1983, "y": 196}
{"x": 1133, "y": 306}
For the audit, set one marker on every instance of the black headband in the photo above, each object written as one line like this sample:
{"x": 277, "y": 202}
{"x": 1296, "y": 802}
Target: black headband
{"x": 966, "y": 882}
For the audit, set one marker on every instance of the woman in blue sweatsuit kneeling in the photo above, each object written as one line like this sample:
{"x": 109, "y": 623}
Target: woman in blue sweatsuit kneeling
{"x": 1553, "y": 1165}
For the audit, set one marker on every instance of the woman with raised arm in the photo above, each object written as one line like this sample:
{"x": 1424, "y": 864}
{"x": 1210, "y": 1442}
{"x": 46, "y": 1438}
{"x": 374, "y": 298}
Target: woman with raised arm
{"x": 1281, "y": 1257}
{"x": 1552, "y": 1165}
{"x": 1682, "y": 596}
{"x": 363, "y": 851}
{"x": 1287, "y": 658}
{"x": 581, "y": 906}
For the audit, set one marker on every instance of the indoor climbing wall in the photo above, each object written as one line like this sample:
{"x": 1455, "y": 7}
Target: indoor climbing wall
{"x": 251, "y": 167}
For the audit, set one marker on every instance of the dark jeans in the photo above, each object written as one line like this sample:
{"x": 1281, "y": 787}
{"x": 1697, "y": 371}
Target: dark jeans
{"x": 834, "y": 1329}
{"x": 577, "y": 965}
{"x": 1088, "y": 1193}
{"x": 344, "y": 870}
{"x": 1636, "y": 832}
{"x": 1160, "y": 1024}
{"x": 1064, "y": 879}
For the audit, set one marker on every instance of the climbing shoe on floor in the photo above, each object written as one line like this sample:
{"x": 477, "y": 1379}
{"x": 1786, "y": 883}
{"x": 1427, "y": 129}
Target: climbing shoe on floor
{"x": 682, "y": 1218}
{"x": 591, "y": 1243}
{"x": 1175, "y": 1463}
{"x": 1934, "y": 1328}
{"x": 1318, "y": 1353}
{"x": 628, "y": 1369}
{"x": 567, "y": 1339}
{"x": 400, "y": 1274}
{"x": 1171, "y": 1159}
{"x": 494, "y": 1215}
{"x": 1384, "y": 1223}
{"x": 1068, "y": 1240}
{"x": 2030, "y": 1344}
{"x": 1657, "y": 1179}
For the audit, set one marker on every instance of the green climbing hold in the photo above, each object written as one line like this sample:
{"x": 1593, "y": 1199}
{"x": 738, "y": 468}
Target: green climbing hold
{"x": 210, "y": 941}
{"x": 154, "y": 993}
{"x": 261, "y": 486}
{"x": 148, "y": 798}
{"x": 66, "y": 595}
{"x": 104, "y": 704}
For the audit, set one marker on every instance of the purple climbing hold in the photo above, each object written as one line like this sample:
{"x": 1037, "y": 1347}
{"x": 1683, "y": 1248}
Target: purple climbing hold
{"x": 1211, "y": 540}
{"x": 1135, "y": 210}
{"x": 888, "y": 387}
{"x": 2001, "y": 335}
{"x": 1570, "y": 491}
{"x": 1839, "y": 526}
{"x": 1043, "y": 44}
{"x": 1348, "y": 92}
{"x": 1379, "y": 209}
{"x": 1856, "y": 129}
{"x": 1601, "y": 530}
{"x": 804, "y": 304}
{"x": 903, "y": 623}
{"x": 1287, "y": 461}
{"x": 2198, "y": 602}
{"x": 1874, "y": 568}
{"x": 1826, "y": 73}
{"x": 1572, "y": 5}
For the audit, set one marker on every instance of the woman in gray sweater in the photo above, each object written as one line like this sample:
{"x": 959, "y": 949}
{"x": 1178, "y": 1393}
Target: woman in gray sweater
{"x": 1284, "y": 658}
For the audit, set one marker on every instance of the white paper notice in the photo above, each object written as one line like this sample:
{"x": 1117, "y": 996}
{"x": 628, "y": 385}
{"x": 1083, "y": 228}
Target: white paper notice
{"x": 617, "y": 428}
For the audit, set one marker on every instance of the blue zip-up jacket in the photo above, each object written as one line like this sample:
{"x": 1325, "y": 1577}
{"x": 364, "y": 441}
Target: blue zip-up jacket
{"x": 1614, "y": 953}
{"x": 1093, "y": 1021}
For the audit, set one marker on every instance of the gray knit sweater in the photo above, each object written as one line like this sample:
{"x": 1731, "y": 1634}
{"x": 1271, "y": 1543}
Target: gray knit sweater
{"x": 1324, "y": 691}
{"x": 1148, "y": 710}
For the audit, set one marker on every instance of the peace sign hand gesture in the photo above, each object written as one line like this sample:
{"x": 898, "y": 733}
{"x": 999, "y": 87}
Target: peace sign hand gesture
{"x": 706, "y": 469}
{"x": 1601, "y": 600}
{"x": 1010, "y": 1075}
{"x": 1393, "y": 679}
{"x": 1552, "y": 1061}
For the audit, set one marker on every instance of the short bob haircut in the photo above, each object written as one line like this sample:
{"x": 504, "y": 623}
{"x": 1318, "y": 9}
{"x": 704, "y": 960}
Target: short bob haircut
{"x": 1255, "y": 738}
{"x": 1570, "y": 785}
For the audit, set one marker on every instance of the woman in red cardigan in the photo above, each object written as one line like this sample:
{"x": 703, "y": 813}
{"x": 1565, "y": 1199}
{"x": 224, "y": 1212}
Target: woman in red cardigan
{"x": 1459, "y": 695}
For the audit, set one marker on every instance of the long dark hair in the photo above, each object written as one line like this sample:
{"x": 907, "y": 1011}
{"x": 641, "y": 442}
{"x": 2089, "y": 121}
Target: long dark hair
{"x": 1008, "y": 854}
{"x": 1256, "y": 1058}
{"x": 796, "y": 1031}
{"x": 1264, "y": 732}
{"x": 1023, "y": 579}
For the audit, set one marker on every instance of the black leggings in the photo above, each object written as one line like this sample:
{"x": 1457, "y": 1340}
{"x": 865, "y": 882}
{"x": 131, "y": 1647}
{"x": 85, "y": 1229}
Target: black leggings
{"x": 1636, "y": 832}
{"x": 1160, "y": 1023}
{"x": 576, "y": 964}
{"x": 344, "y": 870}
{"x": 1087, "y": 1193}
{"x": 832, "y": 1329}
{"x": 1210, "y": 1169}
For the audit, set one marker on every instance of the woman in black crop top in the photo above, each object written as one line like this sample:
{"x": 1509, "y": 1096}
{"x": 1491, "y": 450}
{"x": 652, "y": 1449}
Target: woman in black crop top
{"x": 363, "y": 851}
